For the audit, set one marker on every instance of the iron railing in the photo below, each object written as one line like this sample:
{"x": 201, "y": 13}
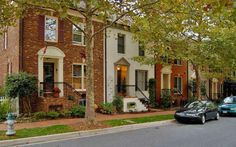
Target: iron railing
{"x": 48, "y": 90}
{"x": 132, "y": 91}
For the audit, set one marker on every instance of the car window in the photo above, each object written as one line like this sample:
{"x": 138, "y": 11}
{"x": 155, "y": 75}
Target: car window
{"x": 210, "y": 105}
{"x": 196, "y": 104}
{"x": 230, "y": 100}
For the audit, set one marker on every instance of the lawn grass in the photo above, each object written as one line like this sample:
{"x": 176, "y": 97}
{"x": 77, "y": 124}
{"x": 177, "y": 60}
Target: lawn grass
{"x": 23, "y": 133}
{"x": 121, "y": 122}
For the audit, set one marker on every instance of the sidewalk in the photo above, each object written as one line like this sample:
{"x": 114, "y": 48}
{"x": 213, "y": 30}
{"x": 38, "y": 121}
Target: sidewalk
{"x": 99, "y": 117}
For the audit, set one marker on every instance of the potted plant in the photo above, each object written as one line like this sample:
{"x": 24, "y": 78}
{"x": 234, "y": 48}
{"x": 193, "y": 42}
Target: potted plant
{"x": 56, "y": 92}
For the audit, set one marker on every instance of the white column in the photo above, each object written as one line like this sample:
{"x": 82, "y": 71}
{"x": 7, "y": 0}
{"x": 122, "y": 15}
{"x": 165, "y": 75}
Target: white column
{"x": 40, "y": 72}
{"x": 60, "y": 76}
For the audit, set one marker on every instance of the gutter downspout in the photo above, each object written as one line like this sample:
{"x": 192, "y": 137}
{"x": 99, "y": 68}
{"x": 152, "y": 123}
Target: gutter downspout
{"x": 105, "y": 74}
{"x": 21, "y": 30}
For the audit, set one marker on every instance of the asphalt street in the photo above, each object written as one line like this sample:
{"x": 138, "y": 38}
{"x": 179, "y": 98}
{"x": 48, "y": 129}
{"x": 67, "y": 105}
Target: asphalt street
{"x": 221, "y": 133}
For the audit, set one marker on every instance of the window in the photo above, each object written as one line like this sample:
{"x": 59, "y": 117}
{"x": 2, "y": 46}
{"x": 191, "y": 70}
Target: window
{"x": 5, "y": 40}
{"x": 141, "y": 49}
{"x": 78, "y": 37}
{"x": 121, "y": 43}
{"x": 79, "y": 76}
{"x": 141, "y": 77}
{"x": 177, "y": 62}
{"x": 51, "y": 29}
{"x": 178, "y": 85}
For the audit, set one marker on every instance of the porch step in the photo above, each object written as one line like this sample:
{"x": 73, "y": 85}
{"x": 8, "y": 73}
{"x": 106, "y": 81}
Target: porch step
{"x": 133, "y": 105}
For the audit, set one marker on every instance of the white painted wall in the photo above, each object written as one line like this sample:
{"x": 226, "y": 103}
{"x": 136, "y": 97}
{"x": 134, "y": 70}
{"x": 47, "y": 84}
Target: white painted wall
{"x": 131, "y": 50}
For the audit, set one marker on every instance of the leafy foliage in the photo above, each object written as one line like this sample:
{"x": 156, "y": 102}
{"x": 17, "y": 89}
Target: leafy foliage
{"x": 53, "y": 115}
{"x": 152, "y": 92}
{"x": 107, "y": 108}
{"x": 118, "y": 103}
{"x": 78, "y": 111}
{"x": 21, "y": 84}
{"x": 40, "y": 115}
{"x": 4, "y": 109}
{"x": 165, "y": 100}
{"x": 2, "y": 91}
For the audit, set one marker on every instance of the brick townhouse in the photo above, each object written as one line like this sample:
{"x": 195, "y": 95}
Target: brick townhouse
{"x": 172, "y": 79}
{"x": 53, "y": 50}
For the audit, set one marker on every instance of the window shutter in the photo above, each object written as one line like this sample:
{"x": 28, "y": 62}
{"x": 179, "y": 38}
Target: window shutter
{"x": 41, "y": 25}
{"x": 61, "y": 30}
{"x": 146, "y": 80}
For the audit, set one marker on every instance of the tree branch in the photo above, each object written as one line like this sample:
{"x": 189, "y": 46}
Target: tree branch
{"x": 122, "y": 15}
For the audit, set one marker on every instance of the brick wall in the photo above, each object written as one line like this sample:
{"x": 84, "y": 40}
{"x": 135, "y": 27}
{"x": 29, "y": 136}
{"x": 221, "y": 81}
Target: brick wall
{"x": 10, "y": 55}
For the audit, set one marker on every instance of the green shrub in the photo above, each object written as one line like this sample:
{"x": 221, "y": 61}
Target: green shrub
{"x": 107, "y": 108}
{"x": 40, "y": 115}
{"x": 165, "y": 100}
{"x": 118, "y": 103}
{"x": 65, "y": 114}
{"x": 4, "y": 109}
{"x": 152, "y": 92}
{"x": 2, "y": 91}
{"x": 22, "y": 85}
{"x": 78, "y": 111}
{"x": 53, "y": 115}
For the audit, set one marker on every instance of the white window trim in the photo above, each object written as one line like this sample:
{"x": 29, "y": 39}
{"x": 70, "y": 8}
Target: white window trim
{"x": 52, "y": 17}
{"x": 82, "y": 36}
{"x": 118, "y": 42}
{"x": 82, "y": 75}
{"x": 177, "y": 85}
{"x": 5, "y": 40}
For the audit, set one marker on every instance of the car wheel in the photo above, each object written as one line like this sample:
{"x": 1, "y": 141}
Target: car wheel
{"x": 203, "y": 119}
{"x": 217, "y": 116}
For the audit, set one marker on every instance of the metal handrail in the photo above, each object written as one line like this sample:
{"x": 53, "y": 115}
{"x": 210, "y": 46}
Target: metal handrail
{"x": 67, "y": 85}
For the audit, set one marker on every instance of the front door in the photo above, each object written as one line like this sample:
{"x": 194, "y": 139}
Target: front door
{"x": 121, "y": 79}
{"x": 48, "y": 76}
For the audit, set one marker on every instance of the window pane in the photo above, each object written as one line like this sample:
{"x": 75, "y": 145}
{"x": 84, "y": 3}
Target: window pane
{"x": 77, "y": 83}
{"x": 77, "y": 38}
{"x": 121, "y": 43}
{"x": 78, "y": 35}
{"x": 77, "y": 70}
{"x": 141, "y": 49}
{"x": 50, "y": 29}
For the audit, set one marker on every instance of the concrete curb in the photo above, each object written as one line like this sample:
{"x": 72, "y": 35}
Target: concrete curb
{"x": 80, "y": 134}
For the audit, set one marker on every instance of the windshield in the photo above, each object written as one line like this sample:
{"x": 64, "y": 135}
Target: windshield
{"x": 230, "y": 100}
{"x": 197, "y": 104}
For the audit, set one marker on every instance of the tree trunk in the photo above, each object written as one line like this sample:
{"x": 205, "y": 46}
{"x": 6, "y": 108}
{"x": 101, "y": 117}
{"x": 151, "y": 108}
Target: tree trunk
{"x": 198, "y": 81}
{"x": 90, "y": 112}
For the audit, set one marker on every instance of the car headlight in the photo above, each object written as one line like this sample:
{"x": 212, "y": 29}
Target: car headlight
{"x": 233, "y": 108}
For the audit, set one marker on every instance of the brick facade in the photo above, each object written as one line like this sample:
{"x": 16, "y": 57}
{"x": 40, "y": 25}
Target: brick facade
{"x": 9, "y": 57}
{"x": 176, "y": 71}
{"x": 33, "y": 41}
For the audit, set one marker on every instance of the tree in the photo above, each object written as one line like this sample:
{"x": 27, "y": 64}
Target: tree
{"x": 8, "y": 14}
{"x": 22, "y": 85}
{"x": 109, "y": 11}
{"x": 189, "y": 32}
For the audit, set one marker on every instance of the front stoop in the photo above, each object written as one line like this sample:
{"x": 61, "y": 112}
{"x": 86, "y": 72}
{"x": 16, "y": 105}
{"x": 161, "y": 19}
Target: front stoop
{"x": 137, "y": 107}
